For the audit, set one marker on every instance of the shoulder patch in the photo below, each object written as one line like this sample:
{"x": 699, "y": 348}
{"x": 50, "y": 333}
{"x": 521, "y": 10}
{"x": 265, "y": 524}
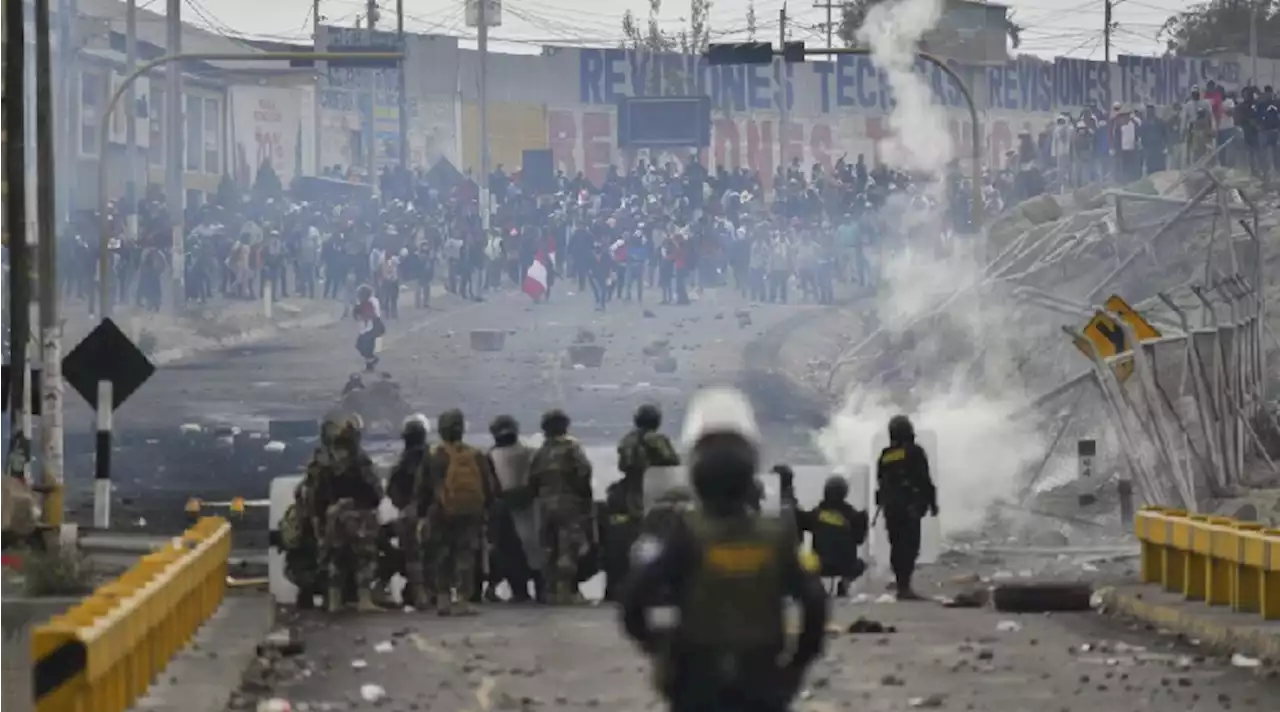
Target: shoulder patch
{"x": 809, "y": 561}
{"x": 893, "y": 455}
{"x": 646, "y": 549}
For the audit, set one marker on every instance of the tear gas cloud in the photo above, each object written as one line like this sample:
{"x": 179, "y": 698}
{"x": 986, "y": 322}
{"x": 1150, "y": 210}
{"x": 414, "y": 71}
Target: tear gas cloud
{"x": 958, "y": 377}
{"x": 921, "y": 140}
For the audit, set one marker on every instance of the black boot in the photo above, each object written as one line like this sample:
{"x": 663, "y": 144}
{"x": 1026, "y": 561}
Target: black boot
{"x": 905, "y": 592}
{"x": 539, "y": 588}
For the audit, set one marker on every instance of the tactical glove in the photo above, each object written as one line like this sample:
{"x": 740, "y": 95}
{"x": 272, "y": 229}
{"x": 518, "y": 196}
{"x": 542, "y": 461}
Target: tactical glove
{"x": 933, "y": 510}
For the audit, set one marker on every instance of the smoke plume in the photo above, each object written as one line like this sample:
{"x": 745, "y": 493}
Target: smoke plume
{"x": 920, "y": 140}
{"x": 950, "y": 360}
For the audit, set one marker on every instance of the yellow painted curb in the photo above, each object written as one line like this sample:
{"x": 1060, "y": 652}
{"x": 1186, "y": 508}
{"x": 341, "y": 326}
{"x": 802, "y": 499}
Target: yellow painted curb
{"x": 1249, "y": 635}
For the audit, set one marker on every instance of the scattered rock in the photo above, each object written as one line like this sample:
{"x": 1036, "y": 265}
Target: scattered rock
{"x": 892, "y": 680}
{"x": 864, "y": 625}
{"x": 588, "y": 355}
{"x": 488, "y": 340}
{"x": 665, "y": 364}
{"x": 658, "y": 347}
{"x": 584, "y": 336}
{"x": 927, "y": 703}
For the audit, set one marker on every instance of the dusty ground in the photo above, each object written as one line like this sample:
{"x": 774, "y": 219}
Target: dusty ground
{"x": 557, "y": 659}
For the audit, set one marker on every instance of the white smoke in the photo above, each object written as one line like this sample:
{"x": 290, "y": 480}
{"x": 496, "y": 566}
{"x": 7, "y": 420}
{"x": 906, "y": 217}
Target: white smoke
{"x": 921, "y": 139}
{"x": 957, "y": 374}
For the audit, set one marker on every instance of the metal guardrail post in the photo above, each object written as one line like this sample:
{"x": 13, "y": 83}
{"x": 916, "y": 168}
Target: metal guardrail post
{"x": 1219, "y": 560}
{"x": 103, "y": 653}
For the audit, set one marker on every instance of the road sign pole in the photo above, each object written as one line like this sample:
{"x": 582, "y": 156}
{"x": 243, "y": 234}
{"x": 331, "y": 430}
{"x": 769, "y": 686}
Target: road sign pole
{"x": 102, "y": 458}
{"x": 1124, "y": 489}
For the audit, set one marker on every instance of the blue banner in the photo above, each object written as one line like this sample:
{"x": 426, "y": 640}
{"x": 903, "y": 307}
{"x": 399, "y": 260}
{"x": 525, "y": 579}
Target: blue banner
{"x": 1166, "y": 80}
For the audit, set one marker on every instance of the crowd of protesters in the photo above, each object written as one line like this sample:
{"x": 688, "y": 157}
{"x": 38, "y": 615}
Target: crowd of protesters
{"x": 650, "y": 231}
{"x": 649, "y": 234}
{"x": 1131, "y": 141}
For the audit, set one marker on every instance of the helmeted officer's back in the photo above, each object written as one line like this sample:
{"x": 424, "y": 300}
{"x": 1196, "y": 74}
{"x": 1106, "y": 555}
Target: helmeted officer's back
{"x": 729, "y": 572}
{"x": 905, "y": 493}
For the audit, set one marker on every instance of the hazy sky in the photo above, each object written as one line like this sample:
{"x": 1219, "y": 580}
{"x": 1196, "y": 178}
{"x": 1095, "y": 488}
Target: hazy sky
{"x": 1053, "y": 27}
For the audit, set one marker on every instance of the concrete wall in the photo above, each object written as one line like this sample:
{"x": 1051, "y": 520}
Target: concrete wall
{"x": 835, "y": 108}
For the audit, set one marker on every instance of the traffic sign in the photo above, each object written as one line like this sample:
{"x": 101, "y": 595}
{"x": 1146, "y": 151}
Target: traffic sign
{"x": 106, "y": 354}
{"x": 1109, "y": 338}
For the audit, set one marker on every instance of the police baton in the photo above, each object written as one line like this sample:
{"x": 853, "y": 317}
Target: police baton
{"x": 875, "y": 517}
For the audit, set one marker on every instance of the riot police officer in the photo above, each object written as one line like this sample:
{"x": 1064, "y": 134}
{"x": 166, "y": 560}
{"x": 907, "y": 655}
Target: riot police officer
{"x": 730, "y": 572}
{"x": 904, "y": 494}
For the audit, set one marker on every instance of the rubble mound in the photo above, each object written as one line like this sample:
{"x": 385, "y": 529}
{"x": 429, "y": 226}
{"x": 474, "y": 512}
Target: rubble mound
{"x": 379, "y": 402}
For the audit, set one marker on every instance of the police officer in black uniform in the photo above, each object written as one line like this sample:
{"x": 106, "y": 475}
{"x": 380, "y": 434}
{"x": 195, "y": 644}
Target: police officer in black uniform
{"x": 838, "y": 530}
{"x": 730, "y": 572}
{"x": 904, "y": 494}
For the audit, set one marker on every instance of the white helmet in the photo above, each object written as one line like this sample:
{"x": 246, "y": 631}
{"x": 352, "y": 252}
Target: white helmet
{"x": 719, "y": 410}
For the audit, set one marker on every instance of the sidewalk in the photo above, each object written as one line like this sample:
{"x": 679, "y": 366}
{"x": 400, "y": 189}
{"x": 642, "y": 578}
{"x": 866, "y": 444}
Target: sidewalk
{"x": 166, "y": 337}
{"x": 1215, "y": 626}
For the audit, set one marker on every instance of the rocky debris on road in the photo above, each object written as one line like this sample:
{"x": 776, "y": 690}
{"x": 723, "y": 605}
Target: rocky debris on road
{"x": 865, "y": 625}
{"x": 378, "y": 400}
{"x": 488, "y": 340}
{"x": 584, "y": 356}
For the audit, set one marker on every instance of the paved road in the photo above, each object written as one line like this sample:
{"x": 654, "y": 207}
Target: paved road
{"x": 298, "y": 375}
{"x": 557, "y": 659}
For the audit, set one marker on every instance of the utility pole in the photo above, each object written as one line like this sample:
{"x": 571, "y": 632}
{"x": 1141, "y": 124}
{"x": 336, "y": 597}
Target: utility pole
{"x": 482, "y": 44}
{"x": 829, "y": 6}
{"x": 174, "y": 154}
{"x": 402, "y": 110}
{"x": 371, "y": 160}
{"x": 782, "y": 108}
{"x": 322, "y": 70}
{"x": 50, "y": 324}
{"x": 1253, "y": 41}
{"x": 68, "y": 136}
{"x": 1106, "y": 32}
{"x": 131, "y": 193}
{"x": 15, "y": 230}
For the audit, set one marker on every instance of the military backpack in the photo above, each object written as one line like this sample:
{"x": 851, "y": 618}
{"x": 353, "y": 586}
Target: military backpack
{"x": 462, "y": 491}
{"x": 291, "y": 529}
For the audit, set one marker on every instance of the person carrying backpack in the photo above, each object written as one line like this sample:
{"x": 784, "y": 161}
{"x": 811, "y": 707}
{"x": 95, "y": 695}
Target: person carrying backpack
{"x": 462, "y": 481}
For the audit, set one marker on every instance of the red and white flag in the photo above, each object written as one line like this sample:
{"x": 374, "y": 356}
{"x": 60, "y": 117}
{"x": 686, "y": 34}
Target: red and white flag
{"x": 535, "y": 278}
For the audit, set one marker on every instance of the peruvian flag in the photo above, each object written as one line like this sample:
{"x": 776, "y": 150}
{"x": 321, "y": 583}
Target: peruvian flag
{"x": 535, "y": 279}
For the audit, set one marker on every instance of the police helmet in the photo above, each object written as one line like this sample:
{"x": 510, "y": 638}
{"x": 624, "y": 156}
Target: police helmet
{"x": 555, "y": 423}
{"x": 349, "y": 433}
{"x": 835, "y": 489}
{"x": 720, "y": 428}
{"x": 504, "y": 425}
{"x": 415, "y": 428}
{"x": 330, "y": 427}
{"x": 648, "y": 417}
{"x": 451, "y": 424}
{"x": 901, "y": 430}
{"x": 720, "y": 411}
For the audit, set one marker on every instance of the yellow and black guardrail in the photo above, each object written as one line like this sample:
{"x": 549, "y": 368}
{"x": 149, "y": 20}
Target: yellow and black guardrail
{"x": 1217, "y": 560}
{"x": 102, "y": 654}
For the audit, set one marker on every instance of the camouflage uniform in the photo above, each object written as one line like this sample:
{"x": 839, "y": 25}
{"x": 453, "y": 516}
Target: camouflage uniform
{"x": 305, "y": 563}
{"x": 456, "y": 538}
{"x": 401, "y": 488}
{"x": 349, "y": 494}
{"x": 639, "y": 450}
{"x": 560, "y": 476}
